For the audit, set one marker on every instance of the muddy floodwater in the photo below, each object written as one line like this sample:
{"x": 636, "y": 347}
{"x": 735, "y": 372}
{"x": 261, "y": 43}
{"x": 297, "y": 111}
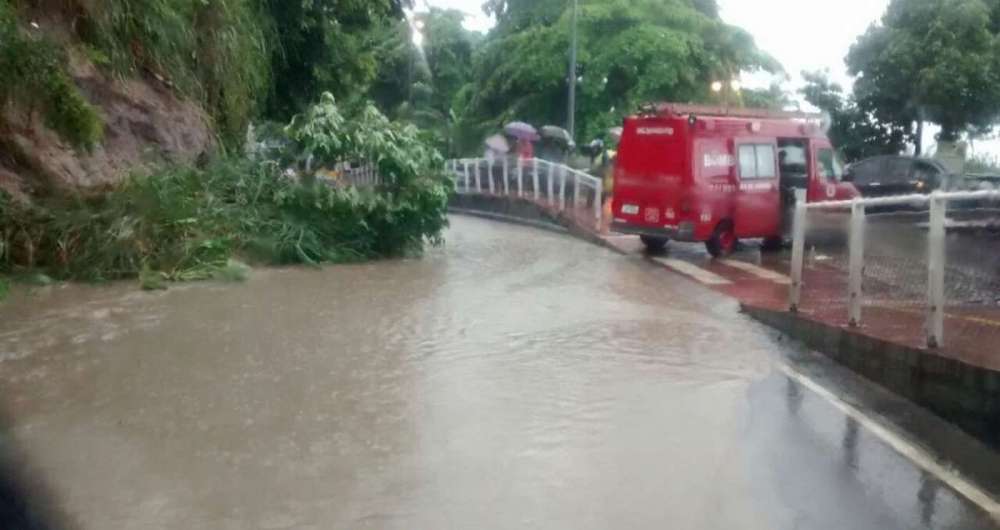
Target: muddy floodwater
{"x": 512, "y": 379}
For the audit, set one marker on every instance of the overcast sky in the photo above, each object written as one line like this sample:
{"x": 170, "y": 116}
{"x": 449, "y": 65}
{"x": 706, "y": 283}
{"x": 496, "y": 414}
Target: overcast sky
{"x": 805, "y": 34}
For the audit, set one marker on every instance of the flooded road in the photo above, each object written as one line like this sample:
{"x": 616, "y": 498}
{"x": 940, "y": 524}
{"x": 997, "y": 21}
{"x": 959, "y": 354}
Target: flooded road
{"x": 514, "y": 378}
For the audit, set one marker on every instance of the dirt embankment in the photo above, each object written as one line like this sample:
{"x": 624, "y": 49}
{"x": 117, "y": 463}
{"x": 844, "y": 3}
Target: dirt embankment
{"x": 145, "y": 122}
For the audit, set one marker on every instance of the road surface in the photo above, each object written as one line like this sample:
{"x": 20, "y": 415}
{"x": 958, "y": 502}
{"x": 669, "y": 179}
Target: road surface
{"x": 515, "y": 378}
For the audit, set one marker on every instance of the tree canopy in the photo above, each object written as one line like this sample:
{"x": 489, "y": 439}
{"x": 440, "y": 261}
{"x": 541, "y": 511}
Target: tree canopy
{"x": 853, "y": 130}
{"x": 324, "y": 45}
{"x": 422, "y": 84}
{"x": 631, "y": 52}
{"x": 934, "y": 60}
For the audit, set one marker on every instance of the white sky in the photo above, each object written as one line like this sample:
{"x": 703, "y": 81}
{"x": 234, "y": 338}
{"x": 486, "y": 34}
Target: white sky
{"x": 805, "y": 34}
{"x": 475, "y": 19}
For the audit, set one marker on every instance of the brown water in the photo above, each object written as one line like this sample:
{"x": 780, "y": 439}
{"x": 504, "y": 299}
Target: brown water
{"x": 512, "y": 379}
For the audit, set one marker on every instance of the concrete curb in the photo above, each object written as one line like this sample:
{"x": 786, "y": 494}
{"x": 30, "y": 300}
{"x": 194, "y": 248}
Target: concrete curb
{"x": 966, "y": 395}
{"x": 541, "y": 225}
{"x": 524, "y": 212}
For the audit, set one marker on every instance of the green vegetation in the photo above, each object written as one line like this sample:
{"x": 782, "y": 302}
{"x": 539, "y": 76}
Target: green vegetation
{"x": 854, "y": 131}
{"x": 43, "y": 84}
{"x": 931, "y": 60}
{"x": 632, "y": 52}
{"x": 247, "y": 60}
{"x": 215, "y": 52}
{"x": 385, "y": 102}
{"x": 189, "y": 224}
{"x": 325, "y": 45}
{"x": 242, "y": 59}
{"x": 422, "y": 86}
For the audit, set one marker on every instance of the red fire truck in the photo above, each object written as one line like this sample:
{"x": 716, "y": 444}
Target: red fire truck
{"x": 712, "y": 175}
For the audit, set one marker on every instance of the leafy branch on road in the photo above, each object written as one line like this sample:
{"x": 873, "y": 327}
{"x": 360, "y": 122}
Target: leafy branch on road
{"x": 187, "y": 223}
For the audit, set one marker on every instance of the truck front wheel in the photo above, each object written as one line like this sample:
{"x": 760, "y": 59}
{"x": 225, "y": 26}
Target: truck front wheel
{"x": 723, "y": 241}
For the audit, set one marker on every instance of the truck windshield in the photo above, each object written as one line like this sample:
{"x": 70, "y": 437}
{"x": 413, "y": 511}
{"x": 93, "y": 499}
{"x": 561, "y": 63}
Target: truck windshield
{"x": 830, "y": 167}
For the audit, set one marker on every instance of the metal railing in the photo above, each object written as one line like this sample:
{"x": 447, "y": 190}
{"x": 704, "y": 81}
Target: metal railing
{"x": 936, "y": 258}
{"x": 549, "y": 184}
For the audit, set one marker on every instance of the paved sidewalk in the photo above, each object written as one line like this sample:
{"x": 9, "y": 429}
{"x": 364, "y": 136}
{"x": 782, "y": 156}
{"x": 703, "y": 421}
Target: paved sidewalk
{"x": 760, "y": 280}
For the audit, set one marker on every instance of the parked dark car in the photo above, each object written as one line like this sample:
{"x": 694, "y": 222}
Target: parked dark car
{"x": 883, "y": 176}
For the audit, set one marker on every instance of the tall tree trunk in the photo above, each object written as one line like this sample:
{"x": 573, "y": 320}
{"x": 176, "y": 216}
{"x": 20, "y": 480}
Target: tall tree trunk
{"x": 919, "y": 150}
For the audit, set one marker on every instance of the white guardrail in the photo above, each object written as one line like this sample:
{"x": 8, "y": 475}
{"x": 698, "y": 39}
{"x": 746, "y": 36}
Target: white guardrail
{"x": 547, "y": 183}
{"x": 345, "y": 175}
{"x": 936, "y": 258}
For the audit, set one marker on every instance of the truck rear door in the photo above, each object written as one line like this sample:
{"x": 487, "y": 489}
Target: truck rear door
{"x": 757, "y": 211}
{"x": 650, "y": 170}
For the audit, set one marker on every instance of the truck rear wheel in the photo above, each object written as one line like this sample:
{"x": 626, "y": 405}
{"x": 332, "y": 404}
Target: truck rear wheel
{"x": 723, "y": 241}
{"x": 654, "y": 244}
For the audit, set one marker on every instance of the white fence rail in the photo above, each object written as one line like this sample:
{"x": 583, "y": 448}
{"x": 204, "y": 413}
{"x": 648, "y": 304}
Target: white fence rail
{"x": 557, "y": 186}
{"x": 348, "y": 176}
{"x": 936, "y": 250}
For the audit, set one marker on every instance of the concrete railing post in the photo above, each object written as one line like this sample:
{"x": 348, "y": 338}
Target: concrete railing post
{"x": 489, "y": 175}
{"x": 551, "y": 196}
{"x": 936, "y": 261}
{"x": 576, "y": 190}
{"x": 506, "y": 176}
{"x": 798, "y": 250}
{"x": 465, "y": 164}
{"x": 534, "y": 177}
{"x": 857, "y": 263}
{"x": 598, "y": 204}
{"x": 520, "y": 176}
{"x": 479, "y": 175}
{"x": 562, "y": 187}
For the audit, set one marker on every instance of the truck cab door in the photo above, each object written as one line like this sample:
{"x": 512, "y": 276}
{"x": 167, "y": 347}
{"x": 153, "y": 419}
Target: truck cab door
{"x": 826, "y": 175}
{"x": 757, "y": 211}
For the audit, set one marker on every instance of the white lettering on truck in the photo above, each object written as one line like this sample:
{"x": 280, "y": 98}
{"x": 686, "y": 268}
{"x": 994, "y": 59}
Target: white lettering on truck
{"x": 655, "y": 131}
{"x": 719, "y": 160}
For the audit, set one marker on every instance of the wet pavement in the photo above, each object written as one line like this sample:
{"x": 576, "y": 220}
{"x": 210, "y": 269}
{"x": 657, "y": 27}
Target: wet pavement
{"x": 895, "y": 283}
{"x": 513, "y": 379}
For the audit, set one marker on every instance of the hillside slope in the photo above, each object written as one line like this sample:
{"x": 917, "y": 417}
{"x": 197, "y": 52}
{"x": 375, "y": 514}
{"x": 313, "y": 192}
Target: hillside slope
{"x": 144, "y": 122}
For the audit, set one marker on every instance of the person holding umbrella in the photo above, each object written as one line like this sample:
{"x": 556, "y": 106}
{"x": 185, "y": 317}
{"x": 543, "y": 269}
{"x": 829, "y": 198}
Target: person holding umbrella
{"x": 525, "y": 135}
{"x": 496, "y": 147}
{"x": 556, "y": 144}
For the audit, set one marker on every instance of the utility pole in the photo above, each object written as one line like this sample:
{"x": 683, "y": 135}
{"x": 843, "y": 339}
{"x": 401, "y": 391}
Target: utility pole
{"x": 571, "y": 112}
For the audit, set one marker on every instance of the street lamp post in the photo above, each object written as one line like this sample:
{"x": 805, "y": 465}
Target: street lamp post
{"x": 571, "y": 112}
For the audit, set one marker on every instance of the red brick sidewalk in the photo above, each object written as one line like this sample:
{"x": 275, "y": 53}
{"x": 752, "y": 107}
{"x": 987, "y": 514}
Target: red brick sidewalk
{"x": 972, "y": 333}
